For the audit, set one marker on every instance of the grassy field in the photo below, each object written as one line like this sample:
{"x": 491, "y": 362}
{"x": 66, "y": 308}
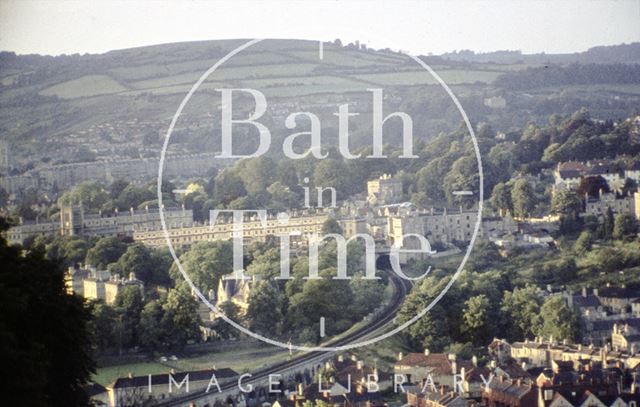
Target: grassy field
{"x": 89, "y": 85}
{"x": 241, "y": 360}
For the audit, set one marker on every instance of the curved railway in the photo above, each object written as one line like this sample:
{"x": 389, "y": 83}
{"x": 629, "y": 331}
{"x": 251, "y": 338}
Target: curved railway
{"x": 402, "y": 288}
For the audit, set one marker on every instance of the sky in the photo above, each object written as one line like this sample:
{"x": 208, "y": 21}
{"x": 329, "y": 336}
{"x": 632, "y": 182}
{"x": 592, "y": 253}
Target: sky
{"x": 421, "y": 27}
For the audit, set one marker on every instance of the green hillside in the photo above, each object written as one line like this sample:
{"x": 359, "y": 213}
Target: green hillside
{"x": 46, "y": 99}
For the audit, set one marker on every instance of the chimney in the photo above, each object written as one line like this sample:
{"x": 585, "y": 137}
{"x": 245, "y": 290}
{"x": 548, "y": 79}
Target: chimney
{"x": 340, "y": 358}
{"x": 359, "y": 365}
{"x": 400, "y": 355}
{"x": 584, "y": 291}
{"x": 474, "y": 361}
{"x": 426, "y": 351}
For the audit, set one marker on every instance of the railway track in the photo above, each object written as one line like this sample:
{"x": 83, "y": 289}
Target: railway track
{"x": 401, "y": 289}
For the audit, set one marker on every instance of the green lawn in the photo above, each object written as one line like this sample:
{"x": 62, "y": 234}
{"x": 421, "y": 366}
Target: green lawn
{"x": 241, "y": 360}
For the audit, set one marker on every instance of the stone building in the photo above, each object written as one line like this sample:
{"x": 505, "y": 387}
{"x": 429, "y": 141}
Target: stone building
{"x": 93, "y": 284}
{"x": 74, "y": 221}
{"x": 626, "y": 338}
{"x": 299, "y": 229}
{"x": 140, "y": 390}
{"x": 384, "y": 190}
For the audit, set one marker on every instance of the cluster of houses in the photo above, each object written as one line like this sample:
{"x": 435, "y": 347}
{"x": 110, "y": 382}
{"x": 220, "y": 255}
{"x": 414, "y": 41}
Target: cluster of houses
{"x": 537, "y": 373}
{"x": 136, "y": 170}
{"x": 616, "y": 177}
{"x": 609, "y": 309}
{"x": 534, "y": 373}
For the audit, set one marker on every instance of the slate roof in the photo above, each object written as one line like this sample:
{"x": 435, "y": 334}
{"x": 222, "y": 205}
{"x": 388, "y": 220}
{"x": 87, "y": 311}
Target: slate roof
{"x": 509, "y": 388}
{"x": 572, "y": 169}
{"x": 618, "y": 292}
{"x": 514, "y": 371}
{"x": 586, "y": 301}
{"x": 607, "y": 325}
{"x": 438, "y": 363}
{"x": 360, "y": 374}
{"x": 602, "y": 169}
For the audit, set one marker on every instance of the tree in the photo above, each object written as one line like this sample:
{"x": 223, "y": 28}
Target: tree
{"x": 607, "y": 224}
{"x": 265, "y": 310}
{"x": 136, "y": 259}
{"x": 116, "y": 188}
{"x": 429, "y": 181}
{"x": 91, "y": 195}
{"x": 103, "y": 319}
{"x": 331, "y": 226}
{"x": 153, "y": 332}
{"x": 331, "y": 173}
{"x": 523, "y": 197}
{"x": 462, "y": 177}
{"x": 367, "y": 295}
{"x": 558, "y": 320}
{"x": 132, "y": 196}
{"x": 106, "y": 251}
{"x": 592, "y": 186}
{"x": 205, "y": 263}
{"x": 181, "y": 318}
{"x": 478, "y": 318}
{"x": 566, "y": 203}
{"x": 128, "y": 305}
{"x": 486, "y": 255}
{"x": 584, "y": 242}
{"x": 257, "y": 173}
{"x": 281, "y": 197}
{"x": 432, "y": 331}
{"x": 501, "y": 198}
{"x": 228, "y": 186}
{"x": 68, "y": 250}
{"x": 521, "y": 308}
{"x": 233, "y": 312}
{"x": 45, "y": 336}
{"x": 624, "y": 225}
{"x": 326, "y": 298}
